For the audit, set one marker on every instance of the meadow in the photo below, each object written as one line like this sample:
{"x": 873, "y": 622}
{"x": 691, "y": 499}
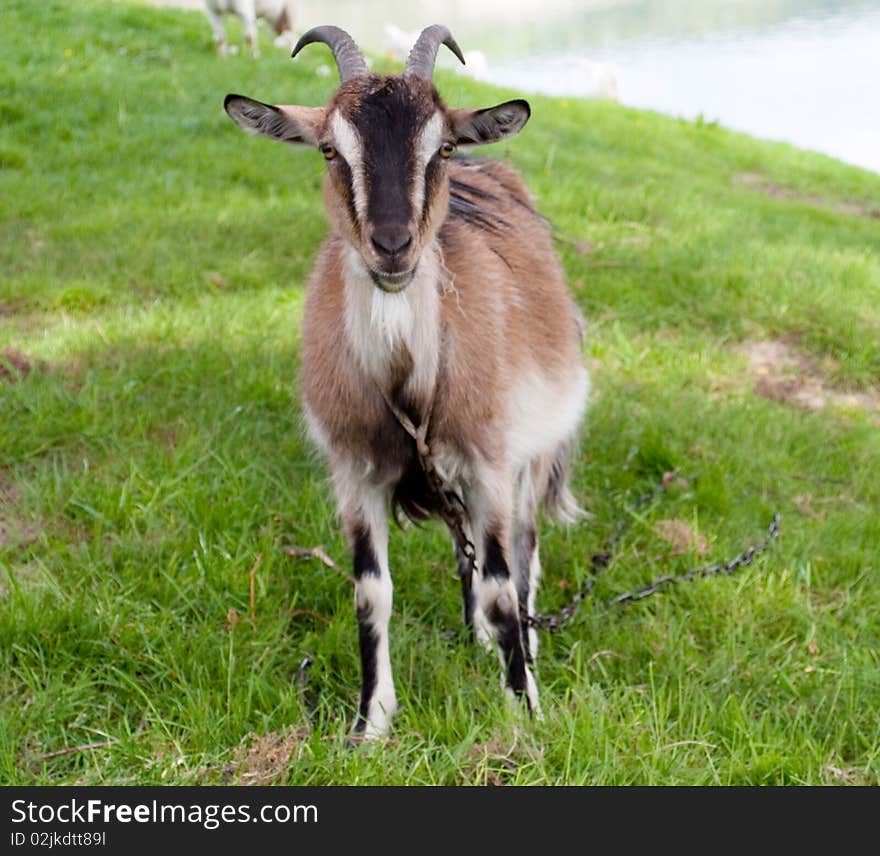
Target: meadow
{"x": 155, "y": 479}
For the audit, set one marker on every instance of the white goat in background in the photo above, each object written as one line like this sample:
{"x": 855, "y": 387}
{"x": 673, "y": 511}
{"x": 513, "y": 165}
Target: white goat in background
{"x": 277, "y": 13}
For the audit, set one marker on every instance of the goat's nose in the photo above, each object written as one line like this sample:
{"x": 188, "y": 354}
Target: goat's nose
{"x": 391, "y": 240}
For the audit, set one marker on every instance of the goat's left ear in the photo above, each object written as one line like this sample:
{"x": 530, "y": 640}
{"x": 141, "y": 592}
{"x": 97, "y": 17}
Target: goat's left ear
{"x": 472, "y": 127}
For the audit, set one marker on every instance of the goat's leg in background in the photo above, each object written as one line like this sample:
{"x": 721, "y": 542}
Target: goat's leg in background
{"x": 363, "y": 508}
{"x": 249, "y": 18}
{"x": 525, "y": 558}
{"x": 472, "y": 615}
{"x": 218, "y": 27}
{"x": 467, "y": 589}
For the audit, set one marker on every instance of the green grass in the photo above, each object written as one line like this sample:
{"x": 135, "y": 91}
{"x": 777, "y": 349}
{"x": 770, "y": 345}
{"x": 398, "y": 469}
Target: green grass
{"x": 152, "y": 261}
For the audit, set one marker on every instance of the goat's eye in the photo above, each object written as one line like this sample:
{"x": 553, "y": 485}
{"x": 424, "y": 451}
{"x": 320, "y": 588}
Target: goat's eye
{"x": 328, "y": 151}
{"x": 446, "y": 150}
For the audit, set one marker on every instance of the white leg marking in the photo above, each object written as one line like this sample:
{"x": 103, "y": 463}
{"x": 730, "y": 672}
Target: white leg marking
{"x": 375, "y": 595}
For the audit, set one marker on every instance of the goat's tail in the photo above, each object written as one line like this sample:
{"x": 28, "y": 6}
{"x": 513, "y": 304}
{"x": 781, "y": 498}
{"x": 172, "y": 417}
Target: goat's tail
{"x": 557, "y": 497}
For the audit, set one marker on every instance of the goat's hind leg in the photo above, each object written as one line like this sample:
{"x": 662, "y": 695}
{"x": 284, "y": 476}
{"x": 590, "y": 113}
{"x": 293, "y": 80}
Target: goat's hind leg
{"x": 527, "y": 564}
{"x": 472, "y": 615}
{"x": 499, "y": 602}
{"x": 468, "y": 597}
{"x": 497, "y": 599}
{"x": 528, "y": 575}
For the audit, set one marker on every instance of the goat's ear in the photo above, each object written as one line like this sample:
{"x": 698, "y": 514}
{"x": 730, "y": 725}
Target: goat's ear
{"x": 472, "y": 127}
{"x": 288, "y": 123}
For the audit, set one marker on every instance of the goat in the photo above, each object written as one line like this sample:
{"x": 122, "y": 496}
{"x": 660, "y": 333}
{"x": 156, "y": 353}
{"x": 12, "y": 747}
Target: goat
{"x": 277, "y": 13}
{"x": 436, "y": 296}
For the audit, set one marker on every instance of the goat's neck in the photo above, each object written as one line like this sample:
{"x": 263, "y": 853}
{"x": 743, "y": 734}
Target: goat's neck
{"x": 396, "y": 337}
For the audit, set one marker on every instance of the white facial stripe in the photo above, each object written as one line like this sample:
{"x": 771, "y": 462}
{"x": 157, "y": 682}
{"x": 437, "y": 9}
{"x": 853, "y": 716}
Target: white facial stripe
{"x": 427, "y": 144}
{"x": 348, "y": 144}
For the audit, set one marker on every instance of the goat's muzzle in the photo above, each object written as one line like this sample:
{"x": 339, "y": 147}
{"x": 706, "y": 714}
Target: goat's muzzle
{"x": 391, "y": 244}
{"x": 392, "y": 256}
{"x": 392, "y": 283}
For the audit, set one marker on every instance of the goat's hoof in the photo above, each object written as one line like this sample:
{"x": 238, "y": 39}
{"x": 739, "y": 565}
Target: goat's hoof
{"x": 363, "y": 735}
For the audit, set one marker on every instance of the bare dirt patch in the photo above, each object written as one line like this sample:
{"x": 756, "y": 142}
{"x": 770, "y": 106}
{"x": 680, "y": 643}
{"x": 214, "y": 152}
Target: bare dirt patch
{"x": 682, "y": 537}
{"x": 17, "y": 534}
{"x": 496, "y": 760}
{"x": 14, "y": 532}
{"x": 262, "y": 759}
{"x": 9, "y": 493}
{"x": 14, "y": 365}
{"x": 784, "y": 374}
{"x": 757, "y": 181}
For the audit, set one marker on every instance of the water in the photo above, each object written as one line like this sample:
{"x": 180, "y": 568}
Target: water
{"x": 803, "y": 71}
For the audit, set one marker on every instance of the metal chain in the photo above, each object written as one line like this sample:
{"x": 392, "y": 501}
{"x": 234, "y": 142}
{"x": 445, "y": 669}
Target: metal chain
{"x": 598, "y": 562}
{"x": 452, "y": 511}
{"x": 554, "y": 621}
{"x": 742, "y": 560}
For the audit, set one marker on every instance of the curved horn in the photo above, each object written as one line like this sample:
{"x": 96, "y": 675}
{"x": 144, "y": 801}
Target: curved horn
{"x": 349, "y": 59}
{"x": 422, "y": 57}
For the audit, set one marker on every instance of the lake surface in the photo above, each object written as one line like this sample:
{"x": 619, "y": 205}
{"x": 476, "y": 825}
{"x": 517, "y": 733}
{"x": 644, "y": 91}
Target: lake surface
{"x": 802, "y": 71}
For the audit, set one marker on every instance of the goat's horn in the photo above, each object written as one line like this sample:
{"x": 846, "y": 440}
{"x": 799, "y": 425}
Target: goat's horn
{"x": 349, "y": 59}
{"x": 422, "y": 57}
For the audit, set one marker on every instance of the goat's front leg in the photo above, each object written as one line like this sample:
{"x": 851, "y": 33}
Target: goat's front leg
{"x": 364, "y": 515}
{"x": 251, "y": 37}
{"x": 218, "y": 27}
{"x": 497, "y": 602}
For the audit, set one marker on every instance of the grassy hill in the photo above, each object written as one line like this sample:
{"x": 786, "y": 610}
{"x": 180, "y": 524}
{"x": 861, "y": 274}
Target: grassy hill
{"x": 152, "y": 261}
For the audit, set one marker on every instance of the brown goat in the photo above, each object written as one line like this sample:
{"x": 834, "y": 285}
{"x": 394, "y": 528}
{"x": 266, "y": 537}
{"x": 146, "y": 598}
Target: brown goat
{"x": 437, "y": 294}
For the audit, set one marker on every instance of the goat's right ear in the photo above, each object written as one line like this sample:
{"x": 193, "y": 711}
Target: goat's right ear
{"x": 474, "y": 127}
{"x": 287, "y": 123}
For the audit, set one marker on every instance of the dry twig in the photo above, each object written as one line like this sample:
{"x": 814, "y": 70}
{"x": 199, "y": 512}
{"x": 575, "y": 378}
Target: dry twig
{"x": 69, "y": 750}
{"x": 251, "y": 573}
{"x": 309, "y": 553}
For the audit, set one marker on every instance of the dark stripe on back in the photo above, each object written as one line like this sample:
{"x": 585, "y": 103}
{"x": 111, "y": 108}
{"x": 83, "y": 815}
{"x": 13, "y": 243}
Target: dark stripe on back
{"x": 467, "y": 203}
{"x": 462, "y": 187}
{"x": 476, "y": 206}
